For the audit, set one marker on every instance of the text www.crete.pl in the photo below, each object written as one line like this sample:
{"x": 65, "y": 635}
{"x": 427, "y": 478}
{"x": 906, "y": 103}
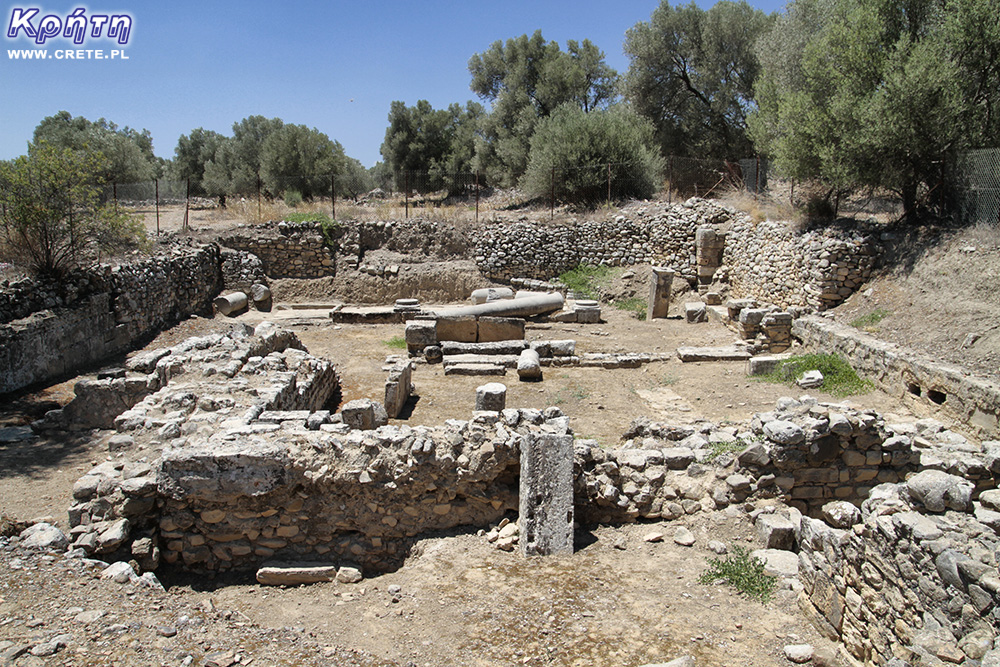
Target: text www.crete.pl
{"x": 66, "y": 54}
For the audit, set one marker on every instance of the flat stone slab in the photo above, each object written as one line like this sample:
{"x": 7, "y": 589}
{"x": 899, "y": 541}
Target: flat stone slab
{"x": 295, "y": 574}
{"x": 503, "y": 347}
{"x": 475, "y": 369}
{"x": 15, "y": 434}
{"x": 723, "y": 353}
{"x": 505, "y": 360}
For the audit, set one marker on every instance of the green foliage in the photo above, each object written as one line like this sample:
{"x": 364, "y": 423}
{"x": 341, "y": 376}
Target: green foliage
{"x": 878, "y": 93}
{"x": 692, "y": 73}
{"x": 585, "y": 279}
{"x": 191, "y": 154}
{"x": 295, "y": 157}
{"x": 526, "y": 79}
{"x": 743, "y": 572}
{"x": 591, "y": 150}
{"x": 869, "y": 321}
{"x": 717, "y": 449}
{"x": 330, "y": 228}
{"x": 127, "y": 154}
{"x": 292, "y": 198}
{"x": 236, "y": 166}
{"x": 422, "y": 139}
{"x": 635, "y": 305}
{"x": 396, "y": 343}
{"x": 839, "y": 378}
{"x": 52, "y": 217}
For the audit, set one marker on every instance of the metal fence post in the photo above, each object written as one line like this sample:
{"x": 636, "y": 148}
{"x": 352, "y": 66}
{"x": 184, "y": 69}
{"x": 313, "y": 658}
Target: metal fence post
{"x": 156, "y": 194}
{"x": 477, "y": 196}
{"x": 406, "y": 187}
{"x": 258, "y": 199}
{"x": 552, "y": 210}
{"x": 114, "y": 190}
{"x": 609, "y": 185}
{"x": 756, "y": 178}
{"x": 670, "y": 182}
{"x": 187, "y": 204}
{"x": 333, "y": 194}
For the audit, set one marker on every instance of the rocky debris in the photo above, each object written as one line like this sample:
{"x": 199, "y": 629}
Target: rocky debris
{"x": 937, "y": 491}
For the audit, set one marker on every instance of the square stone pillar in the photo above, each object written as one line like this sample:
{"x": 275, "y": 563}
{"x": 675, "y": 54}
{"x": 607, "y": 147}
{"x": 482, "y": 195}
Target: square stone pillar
{"x": 546, "y": 495}
{"x": 659, "y": 292}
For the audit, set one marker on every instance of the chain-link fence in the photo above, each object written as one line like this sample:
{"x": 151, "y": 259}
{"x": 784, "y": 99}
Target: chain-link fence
{"x": 975, "y": 184}
{"x": 173, "y": 205}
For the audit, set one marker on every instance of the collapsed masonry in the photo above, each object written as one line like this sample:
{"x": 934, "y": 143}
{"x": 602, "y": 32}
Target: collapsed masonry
{"x": 227, "y": 459}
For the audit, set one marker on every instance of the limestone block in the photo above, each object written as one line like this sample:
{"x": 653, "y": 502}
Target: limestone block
{"x": 295, "y": 574}
{"x": 419, "y": 334}
{"x": 397, "y": 388}
{"x": 231, "y": 304}
{"x": 364, "y": 414}
{"x": 765, "y": 363}
{"x": 475, "y": 369}
{"x": 660, "y": 284}
{"x": 491, "y": 396}
{"x": 491, "y": 329}
{"x": 695, "y": 312}
{"x": 778, "y": 562}
{"x": 776, "y": 531}
{"x": 721, "y": 353}
{"x": 463, "y": 328}
{"x": 529, "y": 366}
{"x": 938, "y": 491}
{"x": 546, "y": 495}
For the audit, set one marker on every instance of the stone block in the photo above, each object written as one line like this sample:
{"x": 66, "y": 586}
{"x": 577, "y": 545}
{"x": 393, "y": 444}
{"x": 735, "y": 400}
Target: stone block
{"x": 546, "y": 495}
{"x": 420, "y": 334}
{"x": 529, "y": 365}
{"x": 776, "y": 531}
{"x": 295, "y": 574}
{"x": 660, "y": 284}
{"x": 475, "y": 369}
{"x": 695, "y": 312}
{"x": 364, "y": 414}
{"x": 765, "y": 363}
{"x": 397, "y": 388}
{"x": 491, "y": 397}
{"x": 492, "y": 329}
{"x": 462, "y": 328}
{"x": 722, "y": 353}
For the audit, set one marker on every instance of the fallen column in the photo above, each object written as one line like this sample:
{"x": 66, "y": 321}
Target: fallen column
{"x": 525, "y": 306}
{"x": 229, "y": 304}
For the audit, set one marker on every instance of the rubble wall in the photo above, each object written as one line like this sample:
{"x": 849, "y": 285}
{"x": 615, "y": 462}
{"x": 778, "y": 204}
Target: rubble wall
{"x": 286, "y": 250}
{"x": 53, "y": 330}
{"x": 775, "y": 263}
{"x": 928, "y": 385}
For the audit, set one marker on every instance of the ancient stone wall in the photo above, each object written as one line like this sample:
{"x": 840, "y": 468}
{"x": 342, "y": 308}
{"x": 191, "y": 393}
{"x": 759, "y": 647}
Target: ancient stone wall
{"x": 286, "y": 250}
{"x": 100, "y": 313}
{"x": 647, "y": 233}
{"x": 928, "y": 385}
{"x": 776, "y": 263}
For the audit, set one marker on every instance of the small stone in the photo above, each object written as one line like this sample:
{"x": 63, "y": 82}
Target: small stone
{"x": 349, "y": 575}
{"x": 810, "y": 380}
{"x": 120, "y": 572}
{"x": 684, "y": 537}
{"x": 44, "y": 536}
{"x": 166, "y": 631}
{"x": 799, "y": 653}
{"x": 655, "y": 536}
{"x": 718, "y": 547}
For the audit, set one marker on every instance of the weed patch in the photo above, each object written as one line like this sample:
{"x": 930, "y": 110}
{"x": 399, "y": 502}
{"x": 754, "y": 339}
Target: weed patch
{"x": 839, "y": 378}
{"x": 717, "y": 449}
{"x": 635, "y": 305}
{"x": 396, "y": 343}
{"x": 743, "y": 572}
{"x": 868, "y": 322}
{"x": 586, "y": 279}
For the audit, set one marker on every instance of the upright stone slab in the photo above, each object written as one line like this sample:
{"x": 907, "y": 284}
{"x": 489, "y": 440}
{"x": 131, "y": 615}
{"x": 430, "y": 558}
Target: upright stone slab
{"x": 398, "y": 387}
{"x": 491, "y": 396}
{"x": 546, "y": 495}
{"x": 659, "y": 292}
{"x": 492, "y": 329}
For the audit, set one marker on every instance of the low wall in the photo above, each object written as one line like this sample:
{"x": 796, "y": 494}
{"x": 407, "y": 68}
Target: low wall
{"x": 775, "y": 263}
{"x": 101, "y": 313}
{"x": 929, "y": 386}
{"x": 286, "y": 250}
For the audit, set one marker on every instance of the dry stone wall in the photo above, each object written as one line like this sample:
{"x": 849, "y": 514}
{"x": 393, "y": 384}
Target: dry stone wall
{"x": 54, "y": 330}
{"x": 286, "y": 250}
{"x": 776, "y": 263}
{"x": 647, "y": 233}
{"x": 929, "y": 386}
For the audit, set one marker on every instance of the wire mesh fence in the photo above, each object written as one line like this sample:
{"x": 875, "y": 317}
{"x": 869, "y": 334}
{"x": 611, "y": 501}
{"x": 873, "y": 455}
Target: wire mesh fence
{"x": 975, "y": 181}
{"x": 167, "y": 204}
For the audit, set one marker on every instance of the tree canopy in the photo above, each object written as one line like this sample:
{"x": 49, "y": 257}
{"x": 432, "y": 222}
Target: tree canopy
{"x": 692, "y": 73}
{"x": 878, "y": 93}
{"x": 128, "y": 154}
{"x": 525, "y": 79}
{"x": 51, "y": 217}
{"x": 193, "y": 151}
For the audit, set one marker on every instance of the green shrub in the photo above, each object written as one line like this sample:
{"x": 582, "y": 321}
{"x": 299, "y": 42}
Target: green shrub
{"x": 742, "y": 572}
{"x": 839, "y": 378}
{"x": 717, "y": 449}
{"x": 293, "y": 198}
{"x": 617, "y": 142}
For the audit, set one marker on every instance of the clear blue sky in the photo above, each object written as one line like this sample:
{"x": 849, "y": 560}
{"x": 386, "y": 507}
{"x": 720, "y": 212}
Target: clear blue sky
{"x": 335, "y": 66}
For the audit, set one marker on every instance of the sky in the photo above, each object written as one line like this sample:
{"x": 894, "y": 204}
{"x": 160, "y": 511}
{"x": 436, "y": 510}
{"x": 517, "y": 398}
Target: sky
{"x": 335, "y": 65}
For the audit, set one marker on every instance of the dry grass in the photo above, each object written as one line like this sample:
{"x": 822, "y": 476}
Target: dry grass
{"x": 762, "y": 207}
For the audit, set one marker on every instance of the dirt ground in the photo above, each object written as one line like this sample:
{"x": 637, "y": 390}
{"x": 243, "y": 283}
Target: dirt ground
{"x": 618, "y": 600}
